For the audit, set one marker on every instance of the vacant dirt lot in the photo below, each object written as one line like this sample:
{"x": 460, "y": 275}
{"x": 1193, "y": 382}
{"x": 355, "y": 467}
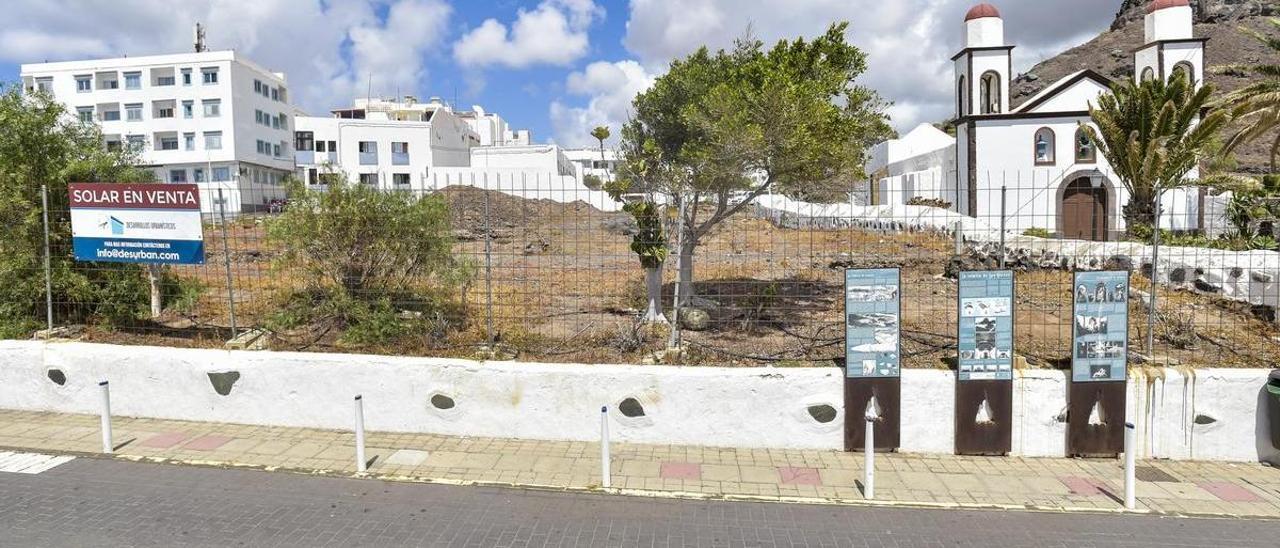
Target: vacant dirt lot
{"x": 564, "y": 286}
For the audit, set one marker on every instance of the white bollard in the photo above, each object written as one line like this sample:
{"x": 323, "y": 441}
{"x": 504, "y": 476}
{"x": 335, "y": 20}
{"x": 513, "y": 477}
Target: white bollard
{"x": 105, "y": 390}
{"x": 361, "y": 464}
{"x": 869, "y": 459}
{"x": 1130, "y": 470}
{"x": 604, "y": 447}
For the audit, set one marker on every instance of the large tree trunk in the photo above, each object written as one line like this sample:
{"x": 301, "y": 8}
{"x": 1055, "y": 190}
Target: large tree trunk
{"x": 157, "y": 293}
{"x": 685, "y": 278}
{"x": 653, "y": 287}
{"x": 1140, "y": 210}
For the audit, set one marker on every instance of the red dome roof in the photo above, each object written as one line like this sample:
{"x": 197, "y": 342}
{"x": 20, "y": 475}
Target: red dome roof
{"x": 985, "y": 10}
{"x": 1162, "y": 4}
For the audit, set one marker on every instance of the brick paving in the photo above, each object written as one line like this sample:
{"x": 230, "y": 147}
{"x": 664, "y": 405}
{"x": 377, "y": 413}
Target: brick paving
{"x": 1188, "y": 488}
{"x": 108, "y": 502}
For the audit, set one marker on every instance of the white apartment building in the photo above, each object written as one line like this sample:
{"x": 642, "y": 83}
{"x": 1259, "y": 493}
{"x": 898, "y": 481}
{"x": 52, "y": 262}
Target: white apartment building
{"x": 590, "y": 161}
{"x": 213, "y": 118}
{"x": 493, "y": 130}
{"x": 392, "y": 144}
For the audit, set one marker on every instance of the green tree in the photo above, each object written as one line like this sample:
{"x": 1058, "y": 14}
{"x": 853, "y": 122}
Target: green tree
{"x": 1255, "y": 109}
{"x": 1152, "y": 133}
{"x": 634, "y": 189}
{"x": 368, "y": 256}
{"x": 720, "y": 129}
{"x": 42, "y": 144}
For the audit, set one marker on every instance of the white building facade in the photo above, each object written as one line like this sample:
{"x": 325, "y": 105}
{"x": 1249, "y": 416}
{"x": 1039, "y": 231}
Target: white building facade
{"x": 594, "y": 161}
{"x": 1032, "y": 164}
{"x": 920, "y": 164}
{"x": 211, "y": 118}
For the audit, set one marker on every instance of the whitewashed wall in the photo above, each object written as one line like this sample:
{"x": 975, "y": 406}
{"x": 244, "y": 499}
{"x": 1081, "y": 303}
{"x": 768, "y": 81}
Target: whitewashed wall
{"x": 737, "y": 407}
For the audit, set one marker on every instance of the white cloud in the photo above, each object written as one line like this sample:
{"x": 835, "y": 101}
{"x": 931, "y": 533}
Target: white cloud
{"x": 908, "y": 43}
{"x": 553, "y": 33}
{"x": 610, "y": 88}
{"x": 328, "y": 50}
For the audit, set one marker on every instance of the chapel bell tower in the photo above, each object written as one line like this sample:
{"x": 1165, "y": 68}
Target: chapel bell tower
{"x": 983, "y": 67}
{"x": 1170, "y": 45}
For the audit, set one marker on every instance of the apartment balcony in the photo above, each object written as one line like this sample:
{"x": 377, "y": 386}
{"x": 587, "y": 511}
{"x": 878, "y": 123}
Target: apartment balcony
{"x": 399, "y": 158}
{"x": 368, "y": 158}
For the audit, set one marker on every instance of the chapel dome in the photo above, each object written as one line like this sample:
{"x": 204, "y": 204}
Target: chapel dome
{"x": 986, "y": 10}
{"x": 1158, "y": 5}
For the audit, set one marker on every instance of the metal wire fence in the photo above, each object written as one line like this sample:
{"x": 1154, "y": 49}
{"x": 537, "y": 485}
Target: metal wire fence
{"x": 547, "y": 272}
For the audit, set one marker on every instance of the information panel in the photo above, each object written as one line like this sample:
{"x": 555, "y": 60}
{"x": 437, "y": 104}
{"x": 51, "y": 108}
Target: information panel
{"x": 872, "y": 308}
{"x": 985, "y": 333}
{"x": 136, "y": 223}
{"x": 1100, "y": 326}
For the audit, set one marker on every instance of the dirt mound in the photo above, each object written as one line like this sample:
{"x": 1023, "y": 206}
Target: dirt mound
{"x": 467, "y": 207}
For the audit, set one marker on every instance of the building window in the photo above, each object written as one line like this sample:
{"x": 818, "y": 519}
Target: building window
{"x": 44, "y": 85}
{"x": 275, "y": 94}
{"x": 333, "y": 146}
{"x": 188, "y": 109}
{"x": 370, "y": 179}
{"x": 113, "y": 144}
{"x": 304, "y": 141}
{"x": 222, "y": 174}
{"x": 1184, "y": 70}
{"x": 168, "y": 143}
{"x": 213, "y": 140}
{"x": 257, "y": 86}
{"x": 110, "y": 116}
{"x": 399, "y": 148}
{"x": 1045, "y": 142}
{"x": 84, "y": 84}
{"x": 164, "y": 112}
{"x": 189, "y": 141}
{"x": 275, "y": 150}
{"x": 133, "y": 113}
{"x": 186, "y": 77}
{"x": 368, "y": 147}
{"x": 197, "y": 175}
{"x": 400, "y": 179}
{"x": 283, "y": 96}
{"x": 320, "y": 146}
{"x": 137, "y": 142}
{"x": 133, "y": 80}
{"x": 990, "y": 87}
{"x": 961, "y": 93}
{"x": 209, "y": 75}
{"x": 177, "y": 176}
{"x": 212, "y": 108}
{"x": 275, "y": 122}
{"x": 1086, "y": 153}
{"x": 85, "y": 114}
{"x": 400, "y": 154}
{"x": 164, "y": 81}
{"x": 284, "y": 122}
{"x": 109, "y": 84}
{"x": 1148, "y": 74}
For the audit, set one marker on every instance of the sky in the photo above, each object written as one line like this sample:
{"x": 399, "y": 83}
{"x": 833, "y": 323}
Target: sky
{"x": 557, "y": 67}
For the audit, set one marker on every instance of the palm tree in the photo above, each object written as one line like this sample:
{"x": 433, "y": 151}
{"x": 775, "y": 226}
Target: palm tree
{"x": 1256, "y": 107}
{"x": 1152, "y": 134}
{"x": 601, "y": 133}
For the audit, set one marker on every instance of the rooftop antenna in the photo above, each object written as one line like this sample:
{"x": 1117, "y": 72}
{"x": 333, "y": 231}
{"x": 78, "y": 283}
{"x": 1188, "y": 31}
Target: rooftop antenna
{"x": 199, "y": 39}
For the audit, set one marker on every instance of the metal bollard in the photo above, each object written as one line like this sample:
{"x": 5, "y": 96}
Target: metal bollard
{"x": 869, "y": 458}
{"x": 105, "y": 390}
{"x": 604, "y": 446}
{"x": 1130, "y": 475}
{"x": 361, "y": 464}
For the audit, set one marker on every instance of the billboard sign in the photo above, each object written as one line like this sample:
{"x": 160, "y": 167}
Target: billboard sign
{"x": 1100, "y": 326}
{"x": 872, "y": 306}
{"x": 136, "y": 223}
{"x": 985, "y": 331}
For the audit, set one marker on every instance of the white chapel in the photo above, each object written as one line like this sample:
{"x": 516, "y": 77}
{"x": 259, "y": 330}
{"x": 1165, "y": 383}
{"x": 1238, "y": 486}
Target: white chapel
{"x": 1052, "y": 177}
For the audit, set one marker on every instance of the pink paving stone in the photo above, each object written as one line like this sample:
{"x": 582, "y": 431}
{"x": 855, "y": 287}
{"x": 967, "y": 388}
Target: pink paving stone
{"x": 799, "y": 476}
{"x": 165, "y": 440}
{"x": 1229, "y": 492}
{"x": 207, "y": 443}
{"x": 1082, "y": 486}
{"x": 680, "y": 471}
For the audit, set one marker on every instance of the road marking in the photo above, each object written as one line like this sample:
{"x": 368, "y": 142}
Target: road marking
{"x": 29, "y": 463}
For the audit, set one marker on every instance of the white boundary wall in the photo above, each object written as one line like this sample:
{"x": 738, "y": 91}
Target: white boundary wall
{"x": 1216, "y": 414}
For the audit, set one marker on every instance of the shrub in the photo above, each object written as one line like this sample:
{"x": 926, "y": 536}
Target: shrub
{"x": 592, "y": 182}
{"x": 375, "y": 262}
{"x": 931, "y": 202}
{"x": 1037, "y": 232}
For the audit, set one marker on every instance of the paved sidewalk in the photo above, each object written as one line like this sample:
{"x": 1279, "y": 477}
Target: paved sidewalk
{"x": 1171, "y": 487}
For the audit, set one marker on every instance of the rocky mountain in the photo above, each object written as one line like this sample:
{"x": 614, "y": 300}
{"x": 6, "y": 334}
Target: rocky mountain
{"x": 1111, "y": 53}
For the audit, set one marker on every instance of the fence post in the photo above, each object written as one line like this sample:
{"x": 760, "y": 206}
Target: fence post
{"x": 959, "y": 239}
{"x": 1155, "y": 279}
{"x": 226, "y": 260}
{"x": 488, "y": 263}
{"x": 674, "y": 341}
{"x": 48, "y": 268}
{"x": 605, "y": 480}
{"x": 361, "y": 464}
{"x": 869, "y": 457}
{"x": 1130, "y": 470}
{"x": 104, "y": 390}
{"x": 1003, "y": 191}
